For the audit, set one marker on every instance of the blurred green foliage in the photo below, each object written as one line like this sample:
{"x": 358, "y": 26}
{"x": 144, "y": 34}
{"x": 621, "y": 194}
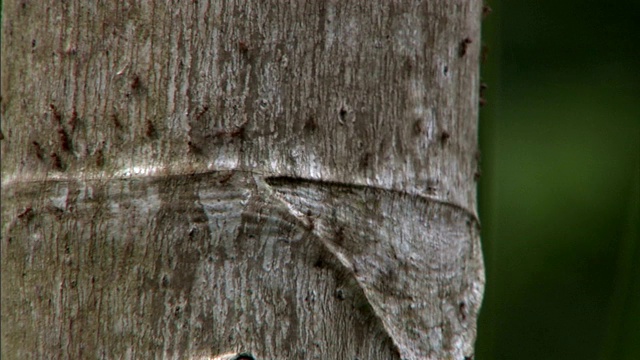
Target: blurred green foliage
{"x": 560, "y": 194}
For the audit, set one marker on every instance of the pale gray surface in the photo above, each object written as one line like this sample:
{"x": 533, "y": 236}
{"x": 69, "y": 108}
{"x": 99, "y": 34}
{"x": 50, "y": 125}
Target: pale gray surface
{"x": 291, "y": 179}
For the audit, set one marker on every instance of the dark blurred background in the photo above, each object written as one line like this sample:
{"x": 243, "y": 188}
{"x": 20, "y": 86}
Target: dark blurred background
{"x": 560, "y": 189}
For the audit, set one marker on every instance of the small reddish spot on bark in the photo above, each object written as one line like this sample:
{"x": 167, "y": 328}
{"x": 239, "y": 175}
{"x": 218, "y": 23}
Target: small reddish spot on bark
{"x": 56, "y": 114}
{"x": 56, "y": 163}
{"x": 38, "y": 149}
{"x": 26, "y": 213}
{"x": 74, "y": 119}
{"x": 150, "y": 129}
{"x": 225, "y": 178}
{"x": 99, "y": 158}
{"x": 243, "y": 48}
{"x": 116, "y": 121}
{"x": 65, "y": 142}
{"x": 136, "y": 84}
{"x": 464, "y": 45}
{"x": 202, "y": 112}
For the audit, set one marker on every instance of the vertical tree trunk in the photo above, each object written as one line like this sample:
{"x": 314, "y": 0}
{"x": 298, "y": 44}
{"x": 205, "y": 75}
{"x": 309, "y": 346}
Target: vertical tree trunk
{"x": 294, "y": 180}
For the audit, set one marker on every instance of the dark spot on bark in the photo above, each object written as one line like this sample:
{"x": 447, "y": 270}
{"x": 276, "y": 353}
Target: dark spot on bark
{"x": 342, "y": 114}
{"x": 33, "y": 43}
{"x": 238, "y": 132}
{"x": 444, "y": 137}
{"x": 462, "y": 308}
{"x": 26, "y": 213}
{"x": 464, "y": 45}
{"x": 1, "y": 135}
{"x": 165, "y": 281}
{"x": 468, "y": 357}
{"x": 243, "y": 48}
{"x": 74, "y": 119}
{"x": 56, "y": 163}
{"x": 225, "y": 178}
{"x": 319, "y": 263}
{"x": 365, "y": 160}
{"x": 150, "y": 129}
{"x": 99, "y": 158}
{"x": 417, "y": 127}
{"x": 56, "y": 115}
{"x": 116, "y": 121}
{"x": 38, "y": 149}
{"x": 193, "y": 148}
{"x": 445, "y": 70}
{"x": 310, "y": 125}
{"x": 136, "y": 83}
{"x": 244, "y": 356}
{"x": 432, "y": 186}
{"x": 65, "y": 141}
{"x": 202, "y": 112}
{"x": 178, "y": 311}
{"x": 310, "y": 219}
{"x": 408, "y": 64}
{"x": 339, "y": 236}
{"x": 477, "y": 175}
{"x": 340, "y": 294}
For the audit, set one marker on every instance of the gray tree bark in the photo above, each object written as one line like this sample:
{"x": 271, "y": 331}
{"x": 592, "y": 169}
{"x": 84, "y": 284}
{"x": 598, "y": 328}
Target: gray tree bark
{"x": 293, "y": 180}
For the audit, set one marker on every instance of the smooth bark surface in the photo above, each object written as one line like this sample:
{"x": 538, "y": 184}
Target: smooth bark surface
{"x": 291, "y": 179}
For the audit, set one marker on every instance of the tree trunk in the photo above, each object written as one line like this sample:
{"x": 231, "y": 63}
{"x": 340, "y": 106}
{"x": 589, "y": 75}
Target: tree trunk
{"x": 293, "y": 180}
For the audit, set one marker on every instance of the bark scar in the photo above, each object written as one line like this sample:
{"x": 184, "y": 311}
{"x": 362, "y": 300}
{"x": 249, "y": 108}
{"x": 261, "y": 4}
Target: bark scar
{"x": 415, "y": 260}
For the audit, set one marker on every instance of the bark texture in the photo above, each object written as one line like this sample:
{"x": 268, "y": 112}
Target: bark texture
{"x": 295, "y": 180}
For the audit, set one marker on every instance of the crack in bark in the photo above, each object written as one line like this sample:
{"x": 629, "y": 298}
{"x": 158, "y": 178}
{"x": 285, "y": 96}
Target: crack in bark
{"x": 384, "y": 273}
{"x": 271, "y": 180}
